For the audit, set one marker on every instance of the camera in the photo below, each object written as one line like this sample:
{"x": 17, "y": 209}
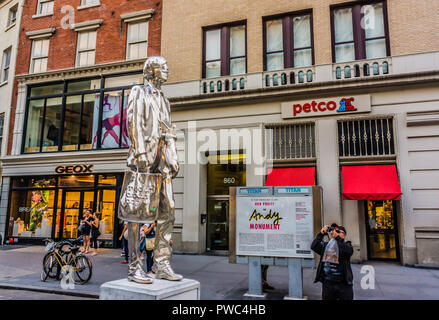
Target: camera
{"x": 329, "y": 229}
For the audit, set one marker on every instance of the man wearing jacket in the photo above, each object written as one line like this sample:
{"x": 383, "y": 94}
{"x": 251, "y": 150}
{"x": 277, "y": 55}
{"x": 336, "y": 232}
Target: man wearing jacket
{"x": 334, "y": 270}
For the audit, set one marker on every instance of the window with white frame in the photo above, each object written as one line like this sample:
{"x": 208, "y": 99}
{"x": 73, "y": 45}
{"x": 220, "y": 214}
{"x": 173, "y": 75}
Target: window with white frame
{"x": 86, "y": 3}
{"x": 137, "y": 40}
{"x": 6, "y": 61}
{"x": 85, "y": 55}
{"x": 12, "y": 18}
{"x": 40, "y": 53}
{"x": 45, "y": 6}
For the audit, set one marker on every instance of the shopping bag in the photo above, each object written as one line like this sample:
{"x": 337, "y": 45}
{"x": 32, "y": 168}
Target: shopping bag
{"x": 140, "y": 197}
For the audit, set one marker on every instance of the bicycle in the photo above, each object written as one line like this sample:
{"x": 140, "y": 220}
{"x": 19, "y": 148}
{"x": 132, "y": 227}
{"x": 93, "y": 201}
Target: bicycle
{"x": 57, "y": 260}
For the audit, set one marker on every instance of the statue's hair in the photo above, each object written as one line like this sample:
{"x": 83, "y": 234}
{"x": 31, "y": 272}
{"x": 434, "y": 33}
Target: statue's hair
{"x": 150, "y": 64}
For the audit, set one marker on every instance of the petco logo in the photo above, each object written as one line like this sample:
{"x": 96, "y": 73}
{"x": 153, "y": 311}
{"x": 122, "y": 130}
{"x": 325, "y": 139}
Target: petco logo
{"x": 326, "y": 107}
{"x": 346, "y": 105}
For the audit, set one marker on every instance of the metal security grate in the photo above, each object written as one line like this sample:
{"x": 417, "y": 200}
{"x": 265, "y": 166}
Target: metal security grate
{"x": 368, "y": 137}
{"x": 290, "y": 141}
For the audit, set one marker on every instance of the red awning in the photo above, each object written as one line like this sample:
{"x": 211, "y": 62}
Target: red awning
{"x": 301, "y": 176}
{"x": 377, "y": 182}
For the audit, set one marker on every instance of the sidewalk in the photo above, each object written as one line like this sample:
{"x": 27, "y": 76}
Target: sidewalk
{"x": 21, "y": 267}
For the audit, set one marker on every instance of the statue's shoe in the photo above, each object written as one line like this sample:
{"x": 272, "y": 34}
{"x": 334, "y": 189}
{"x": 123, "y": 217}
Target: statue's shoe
{"x": 166, "y": 272}
{"x": 136, "y": 274}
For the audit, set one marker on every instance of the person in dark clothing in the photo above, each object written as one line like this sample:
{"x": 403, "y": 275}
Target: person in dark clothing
{"x": 95, "y": 233}
{"x": 334, "y": 270}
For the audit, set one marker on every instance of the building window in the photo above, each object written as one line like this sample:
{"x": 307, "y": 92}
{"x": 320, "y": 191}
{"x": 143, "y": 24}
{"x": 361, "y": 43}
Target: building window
{"x": 12, "y": 18}
{"x": 40, "y": 53}
{"x": 290, "y": 141}
{"x": 368, "y": 137}
{"x": 359, "y": 32}
{"x": 42, "y": 206}
{"x": 6, "y": 61}
{"x": 45, "y": 7}
{"x": 225, "y": 51}
{"x": 79, "y": 115}
{"x": 85, "y": 55}
{"x": 137, "y": 40}
{"x": 2, "y": 125}
{"x": 288, "y": 42}
{"x": 87, "y": 3}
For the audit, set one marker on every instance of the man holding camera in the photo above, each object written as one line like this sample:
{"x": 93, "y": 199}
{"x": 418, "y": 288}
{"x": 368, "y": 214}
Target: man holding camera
{"x": 334, "y": 270}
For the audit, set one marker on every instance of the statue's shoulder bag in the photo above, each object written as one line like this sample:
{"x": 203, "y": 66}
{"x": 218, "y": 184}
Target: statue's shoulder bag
{"x": 140, "y": 196}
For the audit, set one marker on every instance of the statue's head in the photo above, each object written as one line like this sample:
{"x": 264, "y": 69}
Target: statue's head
{"x": 156, "y": 69}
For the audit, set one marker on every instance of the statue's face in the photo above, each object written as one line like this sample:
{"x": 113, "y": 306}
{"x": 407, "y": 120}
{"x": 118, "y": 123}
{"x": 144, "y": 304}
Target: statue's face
{"x": 161, "y": 73}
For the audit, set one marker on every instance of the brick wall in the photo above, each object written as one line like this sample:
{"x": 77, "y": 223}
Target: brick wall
{"x": 110, "y": 42}
{"x": 413, "y": 26}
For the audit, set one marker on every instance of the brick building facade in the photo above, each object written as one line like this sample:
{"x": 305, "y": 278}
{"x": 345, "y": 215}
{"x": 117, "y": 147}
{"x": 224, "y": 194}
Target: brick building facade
{"x": 76, "y": 63}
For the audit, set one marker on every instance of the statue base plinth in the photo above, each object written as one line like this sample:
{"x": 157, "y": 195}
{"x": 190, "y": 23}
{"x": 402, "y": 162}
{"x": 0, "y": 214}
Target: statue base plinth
{"x": 123, "y": 289}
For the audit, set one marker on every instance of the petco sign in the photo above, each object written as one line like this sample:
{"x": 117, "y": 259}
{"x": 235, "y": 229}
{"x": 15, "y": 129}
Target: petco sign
{"x": 326, "y": 106}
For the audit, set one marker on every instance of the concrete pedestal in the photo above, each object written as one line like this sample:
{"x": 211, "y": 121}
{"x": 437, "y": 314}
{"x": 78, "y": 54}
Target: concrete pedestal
{"x": 123, "y": 289}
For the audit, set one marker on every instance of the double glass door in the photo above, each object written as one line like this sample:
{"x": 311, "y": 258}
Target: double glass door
{"x": 72, "y": 204}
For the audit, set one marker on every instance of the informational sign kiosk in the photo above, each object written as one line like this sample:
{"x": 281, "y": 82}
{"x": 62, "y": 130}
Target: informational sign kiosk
{"x": 274, "y": 226}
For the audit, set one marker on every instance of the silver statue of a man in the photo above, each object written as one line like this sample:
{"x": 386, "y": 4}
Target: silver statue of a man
{"x": 147, "y": 194}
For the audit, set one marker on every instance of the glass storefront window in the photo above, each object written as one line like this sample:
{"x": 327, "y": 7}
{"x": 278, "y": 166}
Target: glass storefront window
{"x": 107, "y": 180}
{"x": 34, "y": 125}
{"x": 47, "y": 90}
{"x": 122, "y": 81}
{"x": 126, "y": 142}
{"x": 78, "y": 86}
{"x": 52, "y": 125}
{"x": 110, "y": 134}
{"x": 72, "y": 120}
{"x": 35, "y": 213}
{"x": 107, "y": 207}
{"x": 81, "y": 115}
{"x": 31, "y": 213}
{"x": 34, "y": 182}
{"x": 90, "y": 112}
{"x": 77, "y": 181}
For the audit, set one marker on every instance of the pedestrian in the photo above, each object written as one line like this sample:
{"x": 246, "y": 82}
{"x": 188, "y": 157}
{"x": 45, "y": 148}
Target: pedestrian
{"x": 124, "y": 238}
{"x": 95, "y": 233}
{"x": 334, "y": 270}
{"x": 86, "y": 229}
{"x": 265, "y": 285}
{"x": 147, "y": 245}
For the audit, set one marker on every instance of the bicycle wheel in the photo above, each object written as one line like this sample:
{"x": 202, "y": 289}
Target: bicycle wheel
{"x": 51, "y": 267}
{"x": 82, "y": 269}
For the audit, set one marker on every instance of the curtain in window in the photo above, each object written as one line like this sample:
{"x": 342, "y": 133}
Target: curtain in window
{"x": 275, "y": 61}
{"x": 343, "y": 32}
{"x": 237, "y": 49}
{"x": 213, "y": 52}
{"x": 302, "y": 39}
{"x": 373, "y": 25}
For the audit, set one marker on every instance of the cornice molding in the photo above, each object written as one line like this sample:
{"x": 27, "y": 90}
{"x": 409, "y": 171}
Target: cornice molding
{"x": 39, "y": 34}
{"x": 137, "y": 16}
{"x": 82, "y": 72}
{"x": 87, "y": 25}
